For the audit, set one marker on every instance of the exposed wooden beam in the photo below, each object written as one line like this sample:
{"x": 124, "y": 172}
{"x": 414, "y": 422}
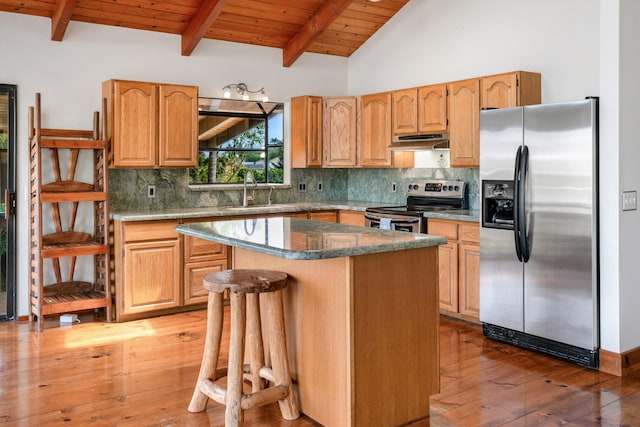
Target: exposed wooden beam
{"x": 312, "y": 29}
{"x": 200, "y": 23}
{"x": 61, "y": 18}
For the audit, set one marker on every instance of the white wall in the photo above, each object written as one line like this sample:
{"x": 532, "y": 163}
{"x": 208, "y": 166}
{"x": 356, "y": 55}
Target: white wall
{"x": 69, "y": 74}
{"x": 609, "y": 175}
{"x": 571, "y": 42}
{"x": 433, "y": 41}
{"x": 629, "y": 166}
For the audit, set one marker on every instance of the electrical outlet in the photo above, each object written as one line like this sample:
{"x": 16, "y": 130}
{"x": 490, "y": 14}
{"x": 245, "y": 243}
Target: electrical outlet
{"x": 394, "y": 187}
{"x": 320, "y": 187}
{"x": 629, "y": 201}
{"x": 302, "y": 187}
{"x": 151, "y": 191}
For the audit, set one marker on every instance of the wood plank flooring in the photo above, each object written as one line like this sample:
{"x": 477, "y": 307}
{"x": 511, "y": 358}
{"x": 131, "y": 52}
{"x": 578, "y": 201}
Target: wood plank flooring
{"x": 142, "y": 373}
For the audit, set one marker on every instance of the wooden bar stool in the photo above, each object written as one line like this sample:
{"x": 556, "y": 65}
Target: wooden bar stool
{"x": 244, "y": 288}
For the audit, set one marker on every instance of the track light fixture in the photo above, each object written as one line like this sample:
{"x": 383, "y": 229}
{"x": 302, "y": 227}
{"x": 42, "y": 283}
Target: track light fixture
{"x": 243, "y": 91}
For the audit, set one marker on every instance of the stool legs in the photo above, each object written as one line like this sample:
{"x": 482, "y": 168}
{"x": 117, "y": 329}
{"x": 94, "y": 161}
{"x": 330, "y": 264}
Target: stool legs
{"x": 245, "y": 320}
{"x": 234, "y": 415}
{"x": 215, "y": 313}
{"x": 255, "y": 347}
{"x": 278, "y": 349}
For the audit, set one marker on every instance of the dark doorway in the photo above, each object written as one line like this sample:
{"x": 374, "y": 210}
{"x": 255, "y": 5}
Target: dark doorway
{"x": 7, "y": 204}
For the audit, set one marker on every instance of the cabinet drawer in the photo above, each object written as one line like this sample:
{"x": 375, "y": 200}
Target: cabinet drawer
{"x": 194, "y": 291}
{"x": 196, "y": 249}
{"x": 326, "y": 216}
{"x": 448, "y": 229}
{"x": 149, "y": 230}
{"x": 470, "y": 232}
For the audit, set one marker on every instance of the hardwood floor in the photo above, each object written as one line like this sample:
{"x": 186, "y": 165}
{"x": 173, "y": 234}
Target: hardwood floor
{"x": 142, "y": 373}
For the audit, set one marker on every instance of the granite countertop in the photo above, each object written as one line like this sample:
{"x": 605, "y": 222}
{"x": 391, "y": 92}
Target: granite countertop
{"x": 302, "y": 239}
{"x": 184, "y": 213}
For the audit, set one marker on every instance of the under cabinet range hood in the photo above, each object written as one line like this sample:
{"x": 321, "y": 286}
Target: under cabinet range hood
{"x": 418, "y": 142}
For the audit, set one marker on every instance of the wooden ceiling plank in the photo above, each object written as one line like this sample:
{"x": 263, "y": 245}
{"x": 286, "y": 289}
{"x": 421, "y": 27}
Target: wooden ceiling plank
{"x": 314, "y": 27}
{"x": 131, "y": 16}
{"x": 60, "y": 19}
{"x": 200, "y": 23}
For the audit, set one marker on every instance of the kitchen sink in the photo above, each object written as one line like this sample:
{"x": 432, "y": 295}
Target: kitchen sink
{"x": 276, "y": 207}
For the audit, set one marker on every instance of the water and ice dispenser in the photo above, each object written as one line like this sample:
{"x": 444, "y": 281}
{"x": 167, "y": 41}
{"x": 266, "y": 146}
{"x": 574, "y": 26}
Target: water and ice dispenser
{"x": 497, "y": 204}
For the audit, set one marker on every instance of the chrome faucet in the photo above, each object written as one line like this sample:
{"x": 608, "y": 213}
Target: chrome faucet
{"x": 270, "y": 192}
{"x": 246, "y": 198}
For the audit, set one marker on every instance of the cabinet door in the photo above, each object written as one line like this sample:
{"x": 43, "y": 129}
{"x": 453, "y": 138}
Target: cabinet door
{"x": 499, "y": 91}
{"x": 469, "y": 298}
{"x": 376, "y": 130}
{"x": 151, "y": 276}
{"x": 404, "y": 111}
{"x": 135, "y": 124}
{"x": 306, "y": 131}
{"x": 464, "y": 116}
{"x": 194, "y": 291}
{"x": 448, "y": 276}
{"x": 432, "y": 108}
{"x": 341, "y": 123}
{"x": 178, "y": 119}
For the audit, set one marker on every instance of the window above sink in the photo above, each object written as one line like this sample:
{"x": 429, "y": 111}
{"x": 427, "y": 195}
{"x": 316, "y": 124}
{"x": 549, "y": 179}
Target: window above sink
{"x": 235, "y": 136}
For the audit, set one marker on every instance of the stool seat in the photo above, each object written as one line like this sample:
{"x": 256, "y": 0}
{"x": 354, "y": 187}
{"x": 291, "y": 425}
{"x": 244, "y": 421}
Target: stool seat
{"x": 245, "y": 281}
{"x": 245, "y": 287}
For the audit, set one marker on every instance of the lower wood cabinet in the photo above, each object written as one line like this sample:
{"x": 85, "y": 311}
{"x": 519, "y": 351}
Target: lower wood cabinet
{"x": 351, "y": 217}
{"x": 201, "y": 257}
{"x": 159, "y": 271}
{"x": 148, "y": 270}
{"x": 326, "y": 216}
{"x": 459, "y": 267}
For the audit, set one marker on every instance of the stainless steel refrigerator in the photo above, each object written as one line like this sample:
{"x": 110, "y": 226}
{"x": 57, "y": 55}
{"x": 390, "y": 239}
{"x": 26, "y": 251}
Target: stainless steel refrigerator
{"x": 539, "y": 277}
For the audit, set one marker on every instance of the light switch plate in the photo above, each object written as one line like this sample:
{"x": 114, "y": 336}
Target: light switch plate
{"x": 629, "y": 201}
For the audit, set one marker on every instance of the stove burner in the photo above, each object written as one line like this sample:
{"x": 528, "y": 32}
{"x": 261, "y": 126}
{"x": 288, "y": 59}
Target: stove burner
{"x": 422, "y": 196}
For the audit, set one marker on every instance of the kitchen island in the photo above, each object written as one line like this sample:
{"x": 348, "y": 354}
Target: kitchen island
{"x": 361, "y": 312}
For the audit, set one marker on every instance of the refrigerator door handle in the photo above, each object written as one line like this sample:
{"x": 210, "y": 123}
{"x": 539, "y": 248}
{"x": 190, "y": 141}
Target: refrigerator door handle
{"x": 516, "y": 204}
{"x": 522, "y": 204}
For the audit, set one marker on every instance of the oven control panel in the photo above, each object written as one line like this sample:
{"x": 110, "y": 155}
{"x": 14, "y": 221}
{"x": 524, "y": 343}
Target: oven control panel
{"x": 437, "y": 188}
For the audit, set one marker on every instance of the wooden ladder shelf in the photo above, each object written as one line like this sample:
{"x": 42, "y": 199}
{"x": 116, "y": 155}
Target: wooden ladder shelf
{"x": 56, "y": 193}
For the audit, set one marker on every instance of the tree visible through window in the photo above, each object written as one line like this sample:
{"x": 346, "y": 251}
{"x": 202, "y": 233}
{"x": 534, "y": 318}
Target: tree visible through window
{"x": 232, "y": 144}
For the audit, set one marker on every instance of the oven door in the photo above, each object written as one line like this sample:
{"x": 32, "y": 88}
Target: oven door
{"x": 413, "y": 224}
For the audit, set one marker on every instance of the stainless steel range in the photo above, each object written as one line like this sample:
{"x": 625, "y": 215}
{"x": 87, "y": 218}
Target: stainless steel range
{"x": 422, "y": 196}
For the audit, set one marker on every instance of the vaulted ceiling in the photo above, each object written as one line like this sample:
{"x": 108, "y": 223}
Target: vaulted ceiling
{"x": 332, "y": 27}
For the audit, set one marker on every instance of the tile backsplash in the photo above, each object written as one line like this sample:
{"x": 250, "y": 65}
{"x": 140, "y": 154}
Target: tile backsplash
{"x": 128, "y": 187}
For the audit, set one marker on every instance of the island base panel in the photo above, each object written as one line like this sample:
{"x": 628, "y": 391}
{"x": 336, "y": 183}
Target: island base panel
{"x": 362, "y": 334}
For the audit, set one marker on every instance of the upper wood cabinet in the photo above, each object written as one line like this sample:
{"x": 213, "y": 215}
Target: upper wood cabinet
{"x": 151, "y": 125}
{"x": 375, "y": 134}
{"x": 510, "y": 90}
{"x": 420, "y": 110}
{"x": 464, "y": 118}
{"x": 341, "y": 131}
{"x": 405, "y": 110}
{"x": 306, "y": 131}
{"x": 432, "y": 108}
{"x": 467, "y": 97}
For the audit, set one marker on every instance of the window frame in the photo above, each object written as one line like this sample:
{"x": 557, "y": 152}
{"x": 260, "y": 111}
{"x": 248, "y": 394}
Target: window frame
{"x": 264, "y": 116}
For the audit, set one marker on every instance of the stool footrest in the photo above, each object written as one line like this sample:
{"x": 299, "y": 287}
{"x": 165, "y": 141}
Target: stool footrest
{"x": 264, "y": 397}
{"x": 267, "y": 374}
{"x": 213, "y": 391}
